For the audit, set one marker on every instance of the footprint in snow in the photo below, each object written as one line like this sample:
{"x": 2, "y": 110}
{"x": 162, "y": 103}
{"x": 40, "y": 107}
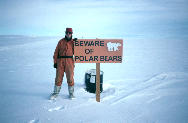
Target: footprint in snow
{"x": 154, "y": 99}
{"x": 34, "y": 121}
{"x": 56, "y": 109}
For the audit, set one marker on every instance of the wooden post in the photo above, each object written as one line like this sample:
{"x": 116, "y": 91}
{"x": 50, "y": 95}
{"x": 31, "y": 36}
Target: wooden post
{"x": 97, "y": 82}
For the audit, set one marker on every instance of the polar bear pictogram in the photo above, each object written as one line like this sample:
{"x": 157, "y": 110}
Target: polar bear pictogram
{"x": 113, "y": 46}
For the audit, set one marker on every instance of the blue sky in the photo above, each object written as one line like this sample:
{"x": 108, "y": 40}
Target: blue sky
{"x": 95, "y": 18}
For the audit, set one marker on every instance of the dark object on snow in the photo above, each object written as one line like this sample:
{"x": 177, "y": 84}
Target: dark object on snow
{"x": 90, "y": 81}
{"x": 55, "y": 65}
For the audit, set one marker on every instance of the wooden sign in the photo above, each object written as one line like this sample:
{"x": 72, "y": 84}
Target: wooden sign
{"x": 98, "y": 50}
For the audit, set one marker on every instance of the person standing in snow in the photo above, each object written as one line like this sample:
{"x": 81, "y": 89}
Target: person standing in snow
{"x": 63, "y": 62}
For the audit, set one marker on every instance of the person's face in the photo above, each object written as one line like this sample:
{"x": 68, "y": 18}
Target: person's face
{"x": 68, "y": 34}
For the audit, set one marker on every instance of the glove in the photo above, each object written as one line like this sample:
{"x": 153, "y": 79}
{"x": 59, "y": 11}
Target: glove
{"x": 55, "y": 65}
{"x": 75, "y": 39}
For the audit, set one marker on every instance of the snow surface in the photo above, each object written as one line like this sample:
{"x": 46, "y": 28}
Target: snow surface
{"x": 150, "y": 86}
